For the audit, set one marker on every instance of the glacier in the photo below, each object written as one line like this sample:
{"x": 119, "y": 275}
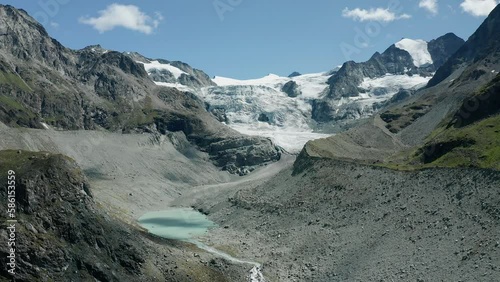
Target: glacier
{"x": 263, "y": 107}
{"x": 260, "y": 107}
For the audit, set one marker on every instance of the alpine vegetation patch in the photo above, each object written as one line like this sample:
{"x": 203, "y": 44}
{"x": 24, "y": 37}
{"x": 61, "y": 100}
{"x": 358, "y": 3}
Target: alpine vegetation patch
{"x": 223, "y": 6}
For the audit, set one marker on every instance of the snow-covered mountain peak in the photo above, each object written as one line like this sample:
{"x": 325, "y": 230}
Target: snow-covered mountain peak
{"x": 418, "y": 50}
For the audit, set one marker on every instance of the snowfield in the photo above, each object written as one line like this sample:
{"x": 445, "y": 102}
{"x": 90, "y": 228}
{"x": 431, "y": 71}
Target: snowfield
{"x": 418, "y": 49}
{"x": 390, "y": 84}
{"x": 178, "y": 86}
{"x": 159, "y": 66}
{"x": 311, "y": 85}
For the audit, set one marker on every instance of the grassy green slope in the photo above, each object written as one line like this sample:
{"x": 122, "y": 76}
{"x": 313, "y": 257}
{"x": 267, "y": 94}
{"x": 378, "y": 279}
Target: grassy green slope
{"x": 471, "y": 137}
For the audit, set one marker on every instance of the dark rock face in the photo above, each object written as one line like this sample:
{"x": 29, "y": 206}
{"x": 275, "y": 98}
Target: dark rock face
{"x": 263, "y": 118}
{"x": 444, "y": 46}
{"x": 401, "y": 95}
{"x": 484, "y": 43}
{"x": 237, "y": 153}
{"x": 220, "y": 114}
{"x": 191, "y": 81}
{"x": 345, "y": 82}
{"x": 294, "y": 74}
{"x": 321, "y": 111}
{"x": 201, "y": 78}
{"x": 105, "y": 75}
{"x": 291, "y": 88}
{"x": 25, "y": 39}
{"x": 94, "y": 88}
{"x": 486, "y": 103}
{"x": 60, "y": 232}
{"x": 162, "y": 76}
{"x": 326, "y": 111}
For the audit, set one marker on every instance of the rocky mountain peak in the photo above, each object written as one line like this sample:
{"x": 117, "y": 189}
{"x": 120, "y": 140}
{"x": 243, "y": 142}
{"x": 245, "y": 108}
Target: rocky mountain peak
{"x": 485, "y": 42}
{"x": 22, "y": 37}
{"x": 95, "y": 48}
{"x": 441, "y": 47}
{"x": 450, "y": 36}
{"x": 137, "y": 57}
{"x": 407, "y": 64}
{"x": 125, "y": 63}
{"x": 17, "y": 28}
{"x": 17, "y": 19}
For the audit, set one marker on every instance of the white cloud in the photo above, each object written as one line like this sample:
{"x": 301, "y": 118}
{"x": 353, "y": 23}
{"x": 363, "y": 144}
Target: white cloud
{"x": 127, "y": 16}
{"x": 378, "y": 14}
{"x": 429, "y": 5}
{"x": 478, "y": 8}
{"x": 54, "y": 24}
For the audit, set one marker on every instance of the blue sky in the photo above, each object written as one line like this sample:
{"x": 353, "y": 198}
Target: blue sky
{"x": 251, "y": 38}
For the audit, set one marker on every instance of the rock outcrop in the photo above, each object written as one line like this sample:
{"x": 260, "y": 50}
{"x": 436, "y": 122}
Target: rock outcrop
{"x": 60, "y": 233}
{"x": 291, "y": 88}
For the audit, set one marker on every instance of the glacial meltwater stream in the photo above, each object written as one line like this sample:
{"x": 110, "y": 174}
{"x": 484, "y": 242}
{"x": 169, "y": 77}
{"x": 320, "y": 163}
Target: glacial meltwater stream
{"x": 186, "y": 224}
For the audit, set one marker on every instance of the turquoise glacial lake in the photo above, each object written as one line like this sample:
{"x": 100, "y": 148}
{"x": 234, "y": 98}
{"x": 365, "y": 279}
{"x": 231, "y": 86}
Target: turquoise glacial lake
{"x": 176, "y": 223}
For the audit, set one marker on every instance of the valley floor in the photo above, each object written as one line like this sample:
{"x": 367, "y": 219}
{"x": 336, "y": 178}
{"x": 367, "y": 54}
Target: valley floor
{"x": 327, "y": 220}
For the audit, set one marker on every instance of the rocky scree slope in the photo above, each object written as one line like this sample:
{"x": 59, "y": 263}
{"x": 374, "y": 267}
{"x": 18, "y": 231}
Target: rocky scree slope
{"x": 331, "y": 220}
{"x": 42, "y": 83}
